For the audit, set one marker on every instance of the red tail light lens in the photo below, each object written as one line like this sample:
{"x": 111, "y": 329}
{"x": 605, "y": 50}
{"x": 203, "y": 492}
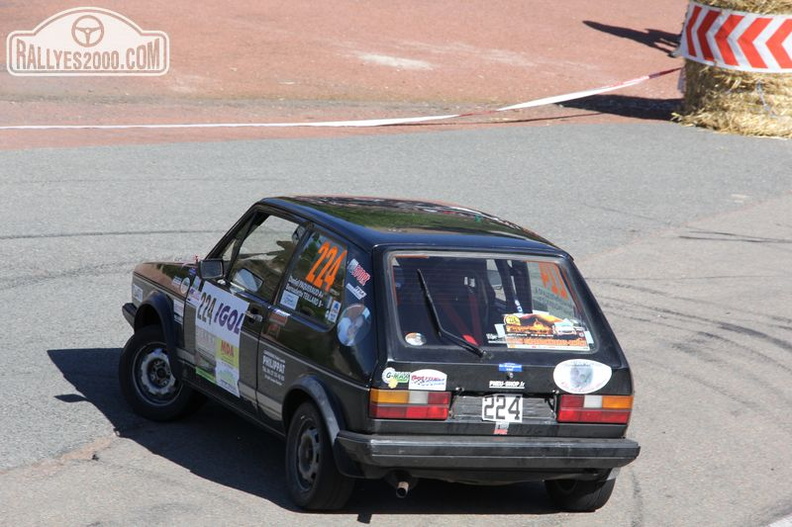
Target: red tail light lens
{"x": 614, "y": 409}
{"x": 408, "y": 404}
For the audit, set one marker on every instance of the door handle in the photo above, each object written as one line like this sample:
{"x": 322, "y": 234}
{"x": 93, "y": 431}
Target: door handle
{"x": 254, "y": 317}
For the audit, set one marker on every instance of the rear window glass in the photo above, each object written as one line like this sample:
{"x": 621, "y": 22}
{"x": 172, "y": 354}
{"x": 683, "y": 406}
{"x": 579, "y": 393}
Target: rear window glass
{"x": 490, "y": 301}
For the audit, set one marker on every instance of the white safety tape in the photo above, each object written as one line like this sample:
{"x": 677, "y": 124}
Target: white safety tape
{"x": 354, "y": 124}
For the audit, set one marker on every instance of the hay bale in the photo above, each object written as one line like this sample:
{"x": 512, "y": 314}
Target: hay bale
{"x": 760, "y": 7}
{"x": 739, "y": 102}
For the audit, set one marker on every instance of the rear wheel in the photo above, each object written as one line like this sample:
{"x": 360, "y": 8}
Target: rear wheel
{"x": 147, "y": 382}
{"x": 312, "y": 476}
{"x": 577, "y": 495}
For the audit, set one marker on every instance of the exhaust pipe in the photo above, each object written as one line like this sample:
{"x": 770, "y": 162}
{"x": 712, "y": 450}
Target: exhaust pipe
{"x": 403, "y": 482}
{"x": 402, "y": 488}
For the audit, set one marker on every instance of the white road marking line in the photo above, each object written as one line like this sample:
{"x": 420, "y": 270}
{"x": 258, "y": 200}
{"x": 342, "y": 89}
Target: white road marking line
{"x": 363, "y": 123}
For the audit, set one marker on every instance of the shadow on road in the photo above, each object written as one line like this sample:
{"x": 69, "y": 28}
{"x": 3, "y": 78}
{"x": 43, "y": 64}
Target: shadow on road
{"x": 219, "y": 446}
{"x": 628, "y": 106}
{"x": 654, "y": 38}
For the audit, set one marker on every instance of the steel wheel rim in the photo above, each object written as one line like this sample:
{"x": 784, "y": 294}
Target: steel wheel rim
{"x": 154, "y": 380}
{"x": 308, "y": 455}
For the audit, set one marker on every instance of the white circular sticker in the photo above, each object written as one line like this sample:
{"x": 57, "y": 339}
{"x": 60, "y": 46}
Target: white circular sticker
{"x": 354, "y": 324}
{"x": 581, "y": 376}
{"x": 415, "y": 339}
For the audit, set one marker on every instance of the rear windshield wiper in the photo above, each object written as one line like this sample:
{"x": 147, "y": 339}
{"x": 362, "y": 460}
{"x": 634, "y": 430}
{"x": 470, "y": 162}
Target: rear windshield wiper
{"x": 441, "y": 331}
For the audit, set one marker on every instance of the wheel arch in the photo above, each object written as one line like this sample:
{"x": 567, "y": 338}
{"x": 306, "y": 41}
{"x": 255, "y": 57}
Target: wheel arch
{"x": 310, "y": 389}
{"x": 157, "y": 310}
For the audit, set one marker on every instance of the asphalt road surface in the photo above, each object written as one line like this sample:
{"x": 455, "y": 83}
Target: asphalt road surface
{"x": 685, "y": 236}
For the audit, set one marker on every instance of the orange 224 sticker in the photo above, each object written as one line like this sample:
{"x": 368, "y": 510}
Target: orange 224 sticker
{"x": 329, "y": 255}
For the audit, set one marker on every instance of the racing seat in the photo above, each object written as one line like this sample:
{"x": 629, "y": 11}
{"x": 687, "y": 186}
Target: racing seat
{"x": 459, "y": 294}
{"x": 459, "y": 303}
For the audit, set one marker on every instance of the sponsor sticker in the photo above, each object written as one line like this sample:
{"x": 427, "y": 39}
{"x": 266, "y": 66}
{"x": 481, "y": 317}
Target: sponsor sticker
{"x": 273, "y": 367}
{"x": 501, "y": 428}
{"x": 137, "y": 293}
{"x": 510, "y": 367}
{"x": 332, "y": 313}
{"x": 394, "y": 378}
{"x": 194, "y": 294}
{"x": 507, "y": 385}
{"x": 354, "y": 324}
{"x": 415, "y": 339}
{"x": 185, "y": 286}
{"x": 357, "y": 291}
{"x": 541, "y": 330}
{"x": 178, "y": 311}
{"x": 301, "y": 289}
{"x": 358, "y": 273}
{"x": 218, "y": 321}
{"x": 289, "y": 299}
{"x": 581, "y": 376}
{"x": 431, "y": 380}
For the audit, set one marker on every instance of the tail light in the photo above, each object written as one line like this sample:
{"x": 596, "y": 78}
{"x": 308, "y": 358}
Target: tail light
{"x": 408, "y": 404}
{"x": 595, "y": 408}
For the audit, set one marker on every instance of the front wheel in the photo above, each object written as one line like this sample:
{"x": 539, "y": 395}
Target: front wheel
{"x": 577, "y": 495}
{"x": 148, "y": 384}
{"x": 312, "y": 476}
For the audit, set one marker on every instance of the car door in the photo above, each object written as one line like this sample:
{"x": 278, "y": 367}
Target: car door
{"x": 231, "y": 310}
{"x": 308, "y": 333}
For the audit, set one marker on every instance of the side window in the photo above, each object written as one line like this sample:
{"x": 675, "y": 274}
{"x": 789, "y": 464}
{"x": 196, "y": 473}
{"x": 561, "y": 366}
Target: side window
{"x": 549, "y": 290}
{"x": 316, "y": 284}
{"x": 261, "y": 257}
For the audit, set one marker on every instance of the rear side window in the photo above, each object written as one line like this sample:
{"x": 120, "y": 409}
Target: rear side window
{"x": 316, "y": 283}
{"x": 492, "y": 301}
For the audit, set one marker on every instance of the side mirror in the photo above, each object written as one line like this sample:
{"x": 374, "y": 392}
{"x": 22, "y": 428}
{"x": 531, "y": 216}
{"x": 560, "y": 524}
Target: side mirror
{"x": 211, "y": 269}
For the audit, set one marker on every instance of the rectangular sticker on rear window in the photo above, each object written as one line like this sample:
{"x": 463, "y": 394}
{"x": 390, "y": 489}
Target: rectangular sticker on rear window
{"x": 543, "y": 331}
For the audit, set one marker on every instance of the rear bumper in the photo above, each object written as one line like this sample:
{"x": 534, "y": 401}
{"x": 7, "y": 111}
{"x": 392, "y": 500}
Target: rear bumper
{"x": 486, "y": 458}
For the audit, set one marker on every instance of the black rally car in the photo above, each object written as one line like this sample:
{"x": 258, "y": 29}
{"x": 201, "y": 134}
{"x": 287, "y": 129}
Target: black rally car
{"x": 390, "y": 339}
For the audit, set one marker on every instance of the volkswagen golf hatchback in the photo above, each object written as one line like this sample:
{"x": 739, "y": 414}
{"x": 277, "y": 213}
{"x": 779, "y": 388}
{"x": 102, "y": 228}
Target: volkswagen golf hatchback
{"x": 389, "y": 339}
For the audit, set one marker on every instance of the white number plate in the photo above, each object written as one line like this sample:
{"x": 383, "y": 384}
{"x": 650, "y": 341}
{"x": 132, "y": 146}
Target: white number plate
{"x": 501, "y": 407}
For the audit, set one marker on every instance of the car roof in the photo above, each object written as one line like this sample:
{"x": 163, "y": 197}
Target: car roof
{"x": 374, "y": 221}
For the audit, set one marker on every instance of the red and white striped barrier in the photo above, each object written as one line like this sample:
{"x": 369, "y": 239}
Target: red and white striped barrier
{"x": 737, "y": 40}
{"x": 357, "y": 123}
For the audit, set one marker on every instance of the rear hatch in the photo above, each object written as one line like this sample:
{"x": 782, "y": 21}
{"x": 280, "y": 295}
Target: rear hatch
{"x": 502, "y": 344}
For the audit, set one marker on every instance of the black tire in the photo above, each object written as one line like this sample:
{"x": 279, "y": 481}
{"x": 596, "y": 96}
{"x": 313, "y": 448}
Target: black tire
{"x": 312, "y": 477}
{"x": 147, "y": 382}
{"x": 576, "y": 495}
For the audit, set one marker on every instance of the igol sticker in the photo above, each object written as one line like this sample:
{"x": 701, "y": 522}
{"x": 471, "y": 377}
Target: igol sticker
{"x": 581, "y": 376}
{"x": 354, "y": 324}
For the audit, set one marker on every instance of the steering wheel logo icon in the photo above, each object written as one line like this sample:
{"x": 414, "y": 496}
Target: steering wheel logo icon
{"x": 87, "y": 31}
